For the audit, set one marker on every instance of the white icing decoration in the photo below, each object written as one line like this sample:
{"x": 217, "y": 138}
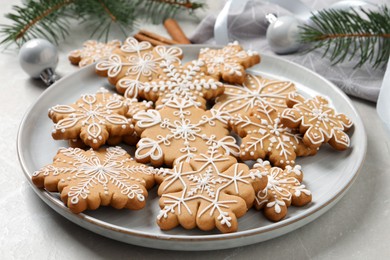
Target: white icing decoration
{"x": 140, "y": 59}
{"x": 228, "y": 59}
{"x": 255, "y": 90}
{"x": 91, "y": 114}
{"x": 321, "y": 121}
{"x": 281, "y": 186}
{"x": 185, "y": 82}
{"x": 182, "y": 125}
{"x": 85, "y": 174}
{"x": 266, "y": 133}
{"x": 204, "y": 183}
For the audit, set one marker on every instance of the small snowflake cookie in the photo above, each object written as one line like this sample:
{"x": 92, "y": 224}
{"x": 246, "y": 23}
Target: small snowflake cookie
{"x": 264, "y": 136}
{"x": 92, "y": 51}
{"x": 255, "y": 90}
{"x": 89, "y": 179}
{"x": 229, "y": 63}
{"x": 93, "y": 119}
{"x": 210, "y": 190}
{"x": 135, "y": 63}
{"x": 188, "y": 82}
{"x": 317, "y": 121}
{"x": 179, "y": 132}
{"x": 283, "y": 188}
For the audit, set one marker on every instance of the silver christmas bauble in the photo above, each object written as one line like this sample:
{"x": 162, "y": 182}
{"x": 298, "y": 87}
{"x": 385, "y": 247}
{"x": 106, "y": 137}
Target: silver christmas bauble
{"x": 39, "y": 58}
{"x": 283, "y": 34}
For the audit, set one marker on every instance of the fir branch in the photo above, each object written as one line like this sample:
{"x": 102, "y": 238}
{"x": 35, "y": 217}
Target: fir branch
{"x": 347, "y": 33}
{"x": 49, "y": 18}
{"x": 159, "y": 10}
{"x": 103, "y": 14}
{"x": 37, "y": 19}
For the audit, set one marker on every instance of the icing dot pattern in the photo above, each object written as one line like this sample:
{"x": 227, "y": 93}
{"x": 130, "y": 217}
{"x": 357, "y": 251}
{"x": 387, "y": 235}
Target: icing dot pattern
{"x": 264, "y": 136}
{"x": 317, "y": 121}
{"x": 283, "y": 188}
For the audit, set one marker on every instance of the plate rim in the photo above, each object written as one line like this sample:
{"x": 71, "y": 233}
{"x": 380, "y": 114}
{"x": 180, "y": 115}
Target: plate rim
{"x": 54, "y": 202}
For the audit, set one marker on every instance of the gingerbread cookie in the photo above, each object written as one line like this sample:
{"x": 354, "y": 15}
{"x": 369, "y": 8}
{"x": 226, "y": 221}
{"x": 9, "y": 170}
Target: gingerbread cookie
{"x": 264, "y": 136}
{"x": 92, "y": 51}
{"x": 90, "y": 179}
{"x": 188, "y": 82}
{"x": 210, "y": 190}
{"x": 135, "y": 63}
{"x": 255, "y": 90}
{"x": 317, "y": 121}
{"x": 229, "y": 63}
{"x": 179, "y": 131}
{"x": 93, "y": 119}
{"x": 284, "y": 188}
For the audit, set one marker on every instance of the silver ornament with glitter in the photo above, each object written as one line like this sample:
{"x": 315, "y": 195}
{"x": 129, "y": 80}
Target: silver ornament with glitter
{"x": 283, "y": 34}
{"x": 39, "y": 58}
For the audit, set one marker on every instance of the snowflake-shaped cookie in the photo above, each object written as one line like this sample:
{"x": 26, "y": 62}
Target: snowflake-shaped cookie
{"x": 179, "y": 132}
{"x": 92, "y": 118}
{"x": 229, "y": 63}
{"x": 188, "y": 82}
{"x": 135, "y": 63}
{"x": 210, "y": 190}
{"x": 284, "y": 188}
{"x": 264, "y": 136}
{"x": 90, "y": 179}
{"x": 93, "y": 51}
{"x": 255, "y": 90}
{"x": 317, "y": 121}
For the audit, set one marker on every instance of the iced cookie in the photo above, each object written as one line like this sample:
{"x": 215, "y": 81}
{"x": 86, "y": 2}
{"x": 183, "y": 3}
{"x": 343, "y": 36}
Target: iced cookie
{"x": 89, "y": 179}
{"x": 284, "y": 188}
{"x": 179, "y": 132}
{"x": 264, "y": 136}
{"x": 210, "y": 190}
{"x": 240, "y": 99}
{"x": 135, "y": 63}
{"x": 187, "y": 82}
{"x": 229, "y": 63}
{"x": 93, "y": 119}
{"x": 92, "y": 51}
{"x": 317, "y": 121}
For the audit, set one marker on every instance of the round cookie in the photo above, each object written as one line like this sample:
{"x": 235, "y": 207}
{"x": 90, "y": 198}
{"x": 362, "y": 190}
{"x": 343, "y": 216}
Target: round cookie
{"x": 90, "y": 179}
{"x": 317, "y": 121}
{"x": 92, "y": 51}
{"x": 229, "y": 63}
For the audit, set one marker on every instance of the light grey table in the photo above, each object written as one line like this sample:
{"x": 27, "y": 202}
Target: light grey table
{"x": 358, "y": 227}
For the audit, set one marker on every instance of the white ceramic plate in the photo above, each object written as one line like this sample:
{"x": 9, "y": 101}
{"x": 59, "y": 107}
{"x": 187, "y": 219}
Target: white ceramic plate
{"x": 328, "y": 174}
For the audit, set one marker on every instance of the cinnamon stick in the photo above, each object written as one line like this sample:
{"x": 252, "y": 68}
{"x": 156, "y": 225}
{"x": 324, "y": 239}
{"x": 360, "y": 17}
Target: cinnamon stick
{"x": 175, "y": 31}
{"x": 154, "y": 42}
{"x": 158, "y": 37}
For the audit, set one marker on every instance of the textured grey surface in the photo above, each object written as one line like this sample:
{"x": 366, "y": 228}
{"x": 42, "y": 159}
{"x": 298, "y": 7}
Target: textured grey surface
{"x": 358, "y": 227}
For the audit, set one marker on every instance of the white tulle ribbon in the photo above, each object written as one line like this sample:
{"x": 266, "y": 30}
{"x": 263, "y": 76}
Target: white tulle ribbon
{"x": 300, "y": 10}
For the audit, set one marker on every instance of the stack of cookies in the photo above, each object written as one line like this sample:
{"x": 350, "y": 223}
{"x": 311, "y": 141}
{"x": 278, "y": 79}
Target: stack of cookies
{"x": 182, "y": 119}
